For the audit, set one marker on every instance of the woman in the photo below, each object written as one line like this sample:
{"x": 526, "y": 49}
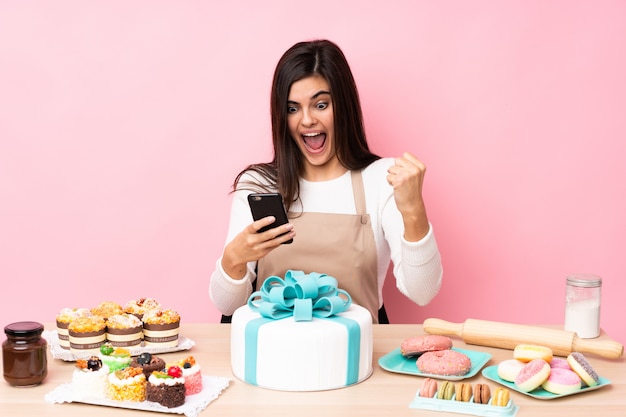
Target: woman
{"x": 351, "y": 213}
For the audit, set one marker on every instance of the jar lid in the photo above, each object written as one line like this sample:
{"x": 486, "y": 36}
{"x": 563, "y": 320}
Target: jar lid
{"x": 584, "y": 280}
{"x": 23, "y": 328}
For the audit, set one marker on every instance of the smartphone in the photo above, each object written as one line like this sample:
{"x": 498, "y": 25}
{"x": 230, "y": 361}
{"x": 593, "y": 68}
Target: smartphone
{"x": 268, "y": 204}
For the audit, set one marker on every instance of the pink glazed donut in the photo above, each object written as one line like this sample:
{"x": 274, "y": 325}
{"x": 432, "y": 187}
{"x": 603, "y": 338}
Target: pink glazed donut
{"x": 415, "y": 346}
{"x": 562, "y": 381}
{"x": 532, "y": 375}
{"x": 444, "y": 362}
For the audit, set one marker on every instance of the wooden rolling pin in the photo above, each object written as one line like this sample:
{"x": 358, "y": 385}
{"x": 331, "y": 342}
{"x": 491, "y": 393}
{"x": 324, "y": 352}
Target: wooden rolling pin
{"x": 509, "y": 335}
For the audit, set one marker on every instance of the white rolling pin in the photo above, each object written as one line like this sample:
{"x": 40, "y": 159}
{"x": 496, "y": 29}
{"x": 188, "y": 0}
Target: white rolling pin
{"x": 509, "y": 335}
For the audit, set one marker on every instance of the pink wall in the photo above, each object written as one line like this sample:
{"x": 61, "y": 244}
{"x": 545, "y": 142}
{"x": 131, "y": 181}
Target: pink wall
{"x": 122, "y": 125}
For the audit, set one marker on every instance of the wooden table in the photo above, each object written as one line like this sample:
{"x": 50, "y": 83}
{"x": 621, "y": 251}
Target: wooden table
{"x": 383, "y": 394}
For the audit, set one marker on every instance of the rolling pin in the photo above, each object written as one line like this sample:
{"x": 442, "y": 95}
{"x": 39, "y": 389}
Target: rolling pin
{"x": 509, "y": 335}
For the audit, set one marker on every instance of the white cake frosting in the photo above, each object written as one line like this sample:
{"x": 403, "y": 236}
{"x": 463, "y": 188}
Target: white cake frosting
{"x": 303, "y": 355}
{"x": 89, "y": 384}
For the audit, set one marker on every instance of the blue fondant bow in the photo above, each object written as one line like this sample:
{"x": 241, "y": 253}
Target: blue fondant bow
{"x": 300, "y": 295}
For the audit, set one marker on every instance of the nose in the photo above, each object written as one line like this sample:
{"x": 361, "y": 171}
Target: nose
{"x": 308, "y": 119}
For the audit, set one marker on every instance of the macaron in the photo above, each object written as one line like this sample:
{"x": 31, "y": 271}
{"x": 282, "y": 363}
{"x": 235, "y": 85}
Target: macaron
{"x": 415, "y": 346}
{"x": 429, "y": 388}
{"x": 527, "y": 353}
{"x": 583, "y": 369}
{"x": 562, "y": 381}
{"x": 446, "y": 391}
{"x": 532, "y": 375}
{"x": 501, "y": 397}
{"x": 463, "y": 391}
{"x": 482, "y": 394}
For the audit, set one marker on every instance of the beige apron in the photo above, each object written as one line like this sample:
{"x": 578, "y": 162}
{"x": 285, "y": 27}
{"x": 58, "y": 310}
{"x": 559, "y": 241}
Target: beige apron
{"x": 340, "y": 245}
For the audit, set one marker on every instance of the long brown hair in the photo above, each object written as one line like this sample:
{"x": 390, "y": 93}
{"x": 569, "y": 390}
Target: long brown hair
{"x": 302, "y": 60}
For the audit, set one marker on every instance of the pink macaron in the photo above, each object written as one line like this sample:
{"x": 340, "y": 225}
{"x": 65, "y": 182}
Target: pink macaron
{"x": 562, "y": 381}
{"x": 429, "y": 388}
{"x": 532, "y": 375}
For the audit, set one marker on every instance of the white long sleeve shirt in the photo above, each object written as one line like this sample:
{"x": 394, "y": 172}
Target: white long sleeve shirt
{"x": 416, "y": 265}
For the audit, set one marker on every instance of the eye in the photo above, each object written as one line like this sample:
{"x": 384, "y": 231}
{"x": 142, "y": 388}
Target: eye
{"x": 291, "y": 109}
{"x": 321, "y": 105}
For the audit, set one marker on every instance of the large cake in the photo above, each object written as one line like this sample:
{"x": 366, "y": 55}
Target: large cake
{"x": 301, "y": 334}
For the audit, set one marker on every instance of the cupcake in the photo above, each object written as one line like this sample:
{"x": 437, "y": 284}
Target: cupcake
{"x": 86, "y": 335}
{"x": 192, "y": 374}
{"x": 124, "y": 330}
{"x": 128, "y": 384}
{"x": 160, "y": 328}
{"x": 63, "y": 320}
{"x": 149, "y": 363}
{"x": 140, "y": 306}
{"x": 107, "y": 309}
{"x": 116, "y": 358}
{"x": 89, "y": 380}
{"x": 167, "y": 388}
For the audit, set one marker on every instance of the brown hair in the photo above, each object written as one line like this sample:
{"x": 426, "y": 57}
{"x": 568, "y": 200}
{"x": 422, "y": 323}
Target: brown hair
{"x": 304, "y": 59}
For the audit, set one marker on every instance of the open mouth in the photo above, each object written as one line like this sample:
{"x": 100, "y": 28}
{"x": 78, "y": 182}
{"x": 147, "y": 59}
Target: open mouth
{"x": 314, "y": 141}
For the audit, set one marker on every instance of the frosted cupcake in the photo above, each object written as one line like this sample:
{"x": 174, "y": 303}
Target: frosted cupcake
{"x": 86, "y": 335}
{"x": 124, "y": 330}
{"x": 128, "y": 384}
{"x": 149, "y": 363}
{"x": 161, "y": 327}
{"x": 116, "y": 358}
{"x": 167, "y": 388}
{"x": 192, "y": 374}
{"x": 89, "y": 380}
{"x": 63, "y": 320}
{"x": 140, "y": 306}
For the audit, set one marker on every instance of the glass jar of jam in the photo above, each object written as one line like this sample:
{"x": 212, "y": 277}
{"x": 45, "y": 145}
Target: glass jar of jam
{"x": 24, "y": 358}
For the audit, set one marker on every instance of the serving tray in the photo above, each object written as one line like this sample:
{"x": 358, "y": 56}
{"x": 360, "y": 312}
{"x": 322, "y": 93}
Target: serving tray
{"x": 194, "y": 404}
{"x": 491, "y": 372}
{"x": 463, "y": 407}
{"x": 394, "y": 361}
{"x": 67, "y": 355}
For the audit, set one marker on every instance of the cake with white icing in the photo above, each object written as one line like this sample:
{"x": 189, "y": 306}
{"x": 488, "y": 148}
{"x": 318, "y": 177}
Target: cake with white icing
{"x": 311, "y": 339}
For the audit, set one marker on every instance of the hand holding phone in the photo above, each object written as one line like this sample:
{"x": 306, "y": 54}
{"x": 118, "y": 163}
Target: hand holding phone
{"x": 268, "y": 204}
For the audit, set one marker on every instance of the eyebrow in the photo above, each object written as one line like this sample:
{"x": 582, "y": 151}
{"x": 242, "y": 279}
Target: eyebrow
{"x": 314, "y": 96}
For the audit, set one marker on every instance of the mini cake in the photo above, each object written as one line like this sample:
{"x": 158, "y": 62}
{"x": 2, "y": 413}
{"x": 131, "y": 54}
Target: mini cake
{"x": 89, "y": 379}
{"x": 86, "y": 335}
{"x": 63, "y": 320}
{"x": 128, "y": 384}
{"x": 124, "y": 330}
{"x": 148, "y": 362}
{"x": 115, "y": 358}
{"x": 192, "y": 374}
{"x": 107, "y": 309}
{"x": 140, "y": 306}
{"x": 161, "y": 327}
{"x": 167, "y": 388}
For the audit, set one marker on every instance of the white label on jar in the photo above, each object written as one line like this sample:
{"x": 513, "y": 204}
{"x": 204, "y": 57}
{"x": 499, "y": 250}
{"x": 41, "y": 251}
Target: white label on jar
{"x": 583, "y": 317}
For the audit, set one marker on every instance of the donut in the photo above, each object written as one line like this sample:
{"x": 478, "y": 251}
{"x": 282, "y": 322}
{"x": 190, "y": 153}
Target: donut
{"x": 508, "y": 369}
{"x": 463, "y": 391}
{"x": 415, "y": 346}
{"x": 562, "y": 381}
{"x": 559, "y": 363}
{"x": 429, "y": 388}
{"x": 500, "y": 397}
{"x": 446, "y": 391}
{"x": 583, "y": 369}
{"x": 527, "y": 353}
{"x": 532, "y": 375}
{"x": 444, "y": 362}
{"x": 482, "y": 394}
